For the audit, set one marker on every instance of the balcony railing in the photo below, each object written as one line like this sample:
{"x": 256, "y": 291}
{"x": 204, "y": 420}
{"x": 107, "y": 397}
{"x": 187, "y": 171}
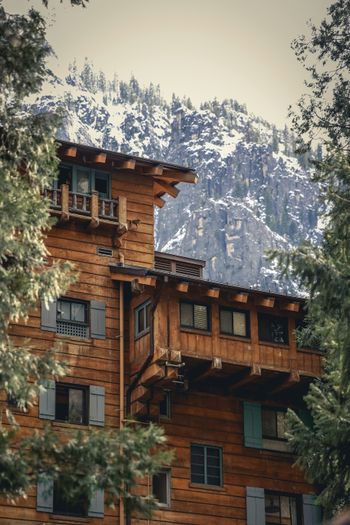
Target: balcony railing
{"x": 86, "y": 206}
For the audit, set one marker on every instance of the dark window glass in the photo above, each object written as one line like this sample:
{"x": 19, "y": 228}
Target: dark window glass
{"x": 274, "y": 424}
{"x": 234, "y": 322}
{"x": 194, "y": 316}
{"x": 78, "y": 506}
{"x": 65, "y": 176}
{"x": 206, "y": 465}
{"x": 161, "y": 487}
{"x": 71, "y": 404}
{"x": 72, "y": 318}
{"x": 273, "y": 329}
{"x": 102, "y": 184}
{"x": 142, "y": 319}
{"x": 282, "y": 509}
{"x": 165, "y": 406}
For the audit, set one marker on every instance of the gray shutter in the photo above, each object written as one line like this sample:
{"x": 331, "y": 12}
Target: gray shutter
{"x": 252, "y": 425}
{"x": 48, "y": 316}
{"x": 47, "y": 400}
{"x": 98, "y": 319}
{"x": 255, "y": 506}
{"x": 97, "y": 405}
{"x": 97, "y": 504}
{"x": 44, "y": 495}
{"x": 312, "y": 513}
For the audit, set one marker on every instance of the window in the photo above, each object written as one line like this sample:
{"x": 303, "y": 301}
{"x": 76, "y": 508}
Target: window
{"x": 282, "y": 509}
{"x": 165, "y": 406}
{"x": 72, "y": 318}
{"x": 142, "y": 319}
{"x": 234, "y": 322}
{"x": 274, "y": 427}
{"x": 194, "y": 316}
{"x": 83, "y": 180}
{"x": 206, "y": 465}
{"x": 78, "y": 506}
{"x": 161, "y": 488}
{"x": 71, "y": 404}
{"x": 273, "y": 329}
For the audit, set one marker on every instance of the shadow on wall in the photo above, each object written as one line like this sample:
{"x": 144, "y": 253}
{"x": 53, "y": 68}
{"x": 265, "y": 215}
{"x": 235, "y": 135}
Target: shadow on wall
{"x": 343, "y": 519}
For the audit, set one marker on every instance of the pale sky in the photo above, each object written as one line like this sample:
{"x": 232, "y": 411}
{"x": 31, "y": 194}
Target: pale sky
{"x": 199, "y": 48}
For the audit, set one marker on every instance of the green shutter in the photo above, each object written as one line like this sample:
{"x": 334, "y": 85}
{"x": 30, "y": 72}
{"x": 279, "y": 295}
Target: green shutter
{"x": 255, "y": 499}
{"x": 312, "y": 513}
{"x": 47, "y": 400}
{"x": 252, "y": 425}
{"x": 48, "y": 316}
{"x": 97, "y": 504}
{"x": 44, "y": 495}
{"x": 97, "y": 405}
{"x": 98, "y": 320}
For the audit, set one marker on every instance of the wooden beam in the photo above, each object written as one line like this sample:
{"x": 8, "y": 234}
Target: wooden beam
{"x": 138, "y": 409}
{"x": 290, "y": 307}
{"x": 211, "y": 370}
{"x": 240, "y": 297}
{"x": 180, "y": 176}
{"x": 160, "y": 186}
{"x": 154, "y": 171}
{"x": 100, "y": 158}
{"x": 95, "y": 221}
{"x": 266, "y": 302}
{"x": 248, "y": 377}
{"x": 122, "y": 211}
{"x": 128, "y": 165}
{"x": 182, "y": 287}
{"x": 70, "y": 152}
{"x": 152, "y": 374}
{"x": 213, "y": 292}
{"x": 291, "y": 380}
{"x": 141, "y": 394}
{"x": 142, "y": 279}
{"x": 158, "y": 202}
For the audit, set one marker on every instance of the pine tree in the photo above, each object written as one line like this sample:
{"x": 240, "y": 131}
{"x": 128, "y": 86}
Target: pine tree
{"x": 322, "y": 445}
{"x": 28, "y": 164}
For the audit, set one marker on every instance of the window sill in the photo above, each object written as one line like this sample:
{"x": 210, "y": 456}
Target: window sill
{"x": 65, "y": 518}
{"x": 236, "y": 338}
{"x": 207, "y": 488}
{"x": 63, "y": 337}
{"x": 142, "y": 334}
{"x": 283, "y": 346}
{"x": 72, "y": 426}
{"x": 195, "y": 331}
{"x": 311, "y": 351}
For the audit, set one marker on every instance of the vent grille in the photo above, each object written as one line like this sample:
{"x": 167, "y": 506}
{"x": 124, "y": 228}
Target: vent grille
{"x": 162, "y": 264}
{"x": 106, "y": 252}
{"x": 192, "y": 270}
{"x": 72, "y": 329}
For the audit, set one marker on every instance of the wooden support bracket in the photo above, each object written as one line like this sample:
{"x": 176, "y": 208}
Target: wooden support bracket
{"x": 214, "y": 367}
{"x": 182, "y": 287}
{"x": 152, "y": 374}
{"x": 291, "y": 380}
{"x": 127, "y": 165}
{"x": 240, "y": 297}
{"x": 70, "y": 152}
{"x": 213, "y": 292}
{"x": 158, "y": 201}
{"x": 266, "y": 302}
{"x": 248, "y": 377}
{"x": 154, "y": 171}
{"x": 161, "y": 186}
{"x": 289, "y": 307}
{"x": 100, "y": 158}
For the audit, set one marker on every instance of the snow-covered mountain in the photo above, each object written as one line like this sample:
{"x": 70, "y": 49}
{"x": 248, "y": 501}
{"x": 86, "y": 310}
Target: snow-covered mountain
{"x": 254, "y": 192}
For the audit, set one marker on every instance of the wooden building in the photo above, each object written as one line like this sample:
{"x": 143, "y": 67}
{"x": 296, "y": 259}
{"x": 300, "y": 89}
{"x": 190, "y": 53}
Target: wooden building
{"x": 147, "y": 336}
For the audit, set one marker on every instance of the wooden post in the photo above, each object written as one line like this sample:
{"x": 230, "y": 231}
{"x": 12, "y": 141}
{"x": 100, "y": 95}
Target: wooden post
{"x": 254, "y": 335}
{"x": 94, "y": 210}
{"x": 122, "y": 212}
{"x": 64, "y": 202}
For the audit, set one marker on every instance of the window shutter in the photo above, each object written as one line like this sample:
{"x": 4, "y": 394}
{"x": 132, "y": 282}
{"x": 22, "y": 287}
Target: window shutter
{"x": 48, "y": 316}
{"x": 97, "y": 504}
{"x": 252, "y": 425}
{"x": 200, "y": 314}
{"x": 312, "y": 513}
{"x": 255, "y": 506}
{"x": 44, "y": 495}
{"x": 47, "y": 400}
{"x": 98, "y": 319}
{"x": 97, "y": 406}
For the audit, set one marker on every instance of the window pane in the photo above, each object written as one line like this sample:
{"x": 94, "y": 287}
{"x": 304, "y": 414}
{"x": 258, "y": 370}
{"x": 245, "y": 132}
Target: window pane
{"x": 76, "y": 406}
{"x": 78, "y": 312}
{"x": 278, "y": 331}
{"x": 62, "y": 505}
{"x": 83, "y": 181}
{"x": 186, "y": 314}
{"x": 273, "y": 329}
{"x": 63, "y": 310}
{"x": 213, "y": 466}
{"x": 269, "y": 427}
{"x": 272, "y": 509}
{"x": 140, "y": 320}
{"x": 197, "y": 464}
{"x": 281, "y": 424}
{"x": 201, "y": 317}
{"x": 164, "y": 406}
{"x": 226, "y": 321}
{"x": 101, "y": 185}
{"x": 65, "y": 176}
{"x": 239, "y": 324}
{"x": 62, "y": 402}
{"x": 160, "y": 484}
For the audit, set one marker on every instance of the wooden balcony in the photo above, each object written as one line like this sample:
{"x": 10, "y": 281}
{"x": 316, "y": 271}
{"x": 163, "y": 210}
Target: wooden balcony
{"x": 91, "y": 208}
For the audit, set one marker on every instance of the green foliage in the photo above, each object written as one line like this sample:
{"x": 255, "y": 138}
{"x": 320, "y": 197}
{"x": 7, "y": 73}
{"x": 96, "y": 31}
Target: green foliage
{"x": 114, "y": 460}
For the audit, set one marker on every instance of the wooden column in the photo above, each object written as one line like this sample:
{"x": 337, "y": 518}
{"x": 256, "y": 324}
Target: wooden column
{"x": 94, "y": 210}
{"x": 293, "y": 355}
{"x": 254, "y": 336}
{"x": 215, "y": 329}
{"x": 174, "y": 323}
{"x": 64, "y": 202}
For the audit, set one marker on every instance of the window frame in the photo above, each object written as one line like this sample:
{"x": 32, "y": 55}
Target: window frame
{"x": 167, "y": 400}
{"x": 137, "y": 310}
{"x": 271, "y": 317}
{"x": 221, "y": 471}
{"x": 86, "y": 394}
{"x": 275, "y": 411}
{"x": 92, "y": 178}
{"x": 85, "y": 323}
{"x": 298, "y": 500}
{"x": 232, "y": 311}
{"x": 192, "y": 327}
{"x": 61, "y": 512}
{"x": 167, "y": 472}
